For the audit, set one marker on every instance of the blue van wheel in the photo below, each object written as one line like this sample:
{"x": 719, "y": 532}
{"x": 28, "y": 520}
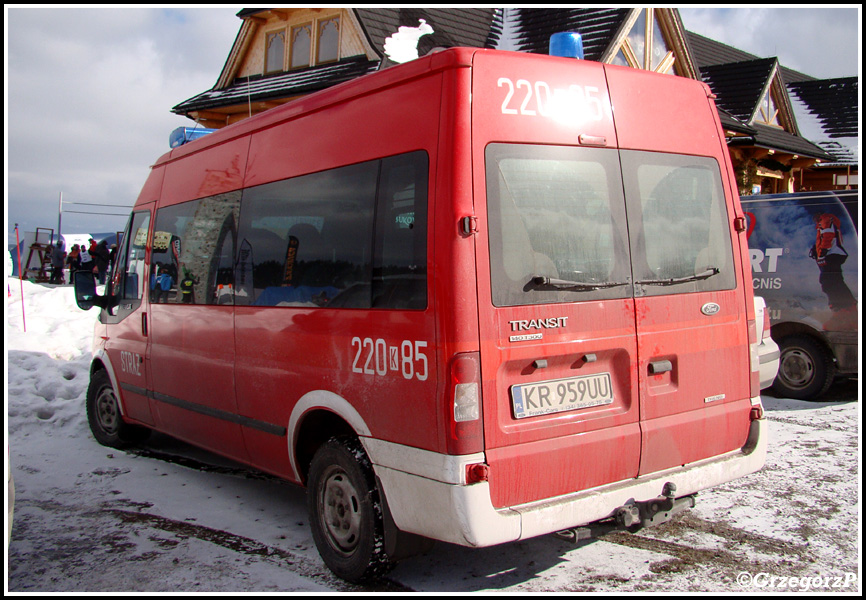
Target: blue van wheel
{"x": 806, "y": 369}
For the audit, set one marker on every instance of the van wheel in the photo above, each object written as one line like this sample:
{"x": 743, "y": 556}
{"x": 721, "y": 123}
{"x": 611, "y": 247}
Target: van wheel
{"x": 104, "y": 418}
{"x": 806, "y": 369}
{"x": 345, "y": 511}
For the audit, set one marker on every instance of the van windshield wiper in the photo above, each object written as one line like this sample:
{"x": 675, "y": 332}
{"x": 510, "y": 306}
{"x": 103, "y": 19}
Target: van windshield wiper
{"x": 696, "y": 277}
{"x": 565, "y": 284}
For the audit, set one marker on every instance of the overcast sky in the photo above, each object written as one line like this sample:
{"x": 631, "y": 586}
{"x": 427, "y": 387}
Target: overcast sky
{"x": 89, "y": 90}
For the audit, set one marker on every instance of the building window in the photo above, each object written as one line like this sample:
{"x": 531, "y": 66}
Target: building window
{"x": 328, "y": 40}
{"x": 645, "y": 47}
{"x": 315, "y": 43}
{"x": 302, "y": 40}
{"x": 308, "y": 44}
{"x": 275, "y": 45}
{"x": 768, "y": 114}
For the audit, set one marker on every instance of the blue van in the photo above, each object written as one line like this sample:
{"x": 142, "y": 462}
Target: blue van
{"x": 803, "y": 250}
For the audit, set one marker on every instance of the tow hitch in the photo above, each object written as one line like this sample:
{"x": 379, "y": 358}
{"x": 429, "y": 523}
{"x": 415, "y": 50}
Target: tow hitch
{"x": 633, "y": 516}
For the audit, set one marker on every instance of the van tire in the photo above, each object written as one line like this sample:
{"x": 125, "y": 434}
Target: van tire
{"x": 806, "y": 368}
{"x": 345, "y": 511}
{"x": 104, "y": 417}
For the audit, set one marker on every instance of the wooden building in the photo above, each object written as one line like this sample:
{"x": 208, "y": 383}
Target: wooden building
{"x": 282, "y": 53}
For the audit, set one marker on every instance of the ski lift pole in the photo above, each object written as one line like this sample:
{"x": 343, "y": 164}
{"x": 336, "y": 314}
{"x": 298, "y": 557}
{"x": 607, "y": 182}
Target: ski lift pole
{"x": 20, "y": 279}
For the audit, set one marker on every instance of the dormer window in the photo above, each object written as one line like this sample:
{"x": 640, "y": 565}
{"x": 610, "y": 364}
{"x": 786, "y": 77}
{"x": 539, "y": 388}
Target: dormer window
{"x": 315, "y": 43}
{"x": 302, "y": 40}
{"x": 301, "y": 45}
{"x": 275, "y": 50}
{"x": 328, "y": 40}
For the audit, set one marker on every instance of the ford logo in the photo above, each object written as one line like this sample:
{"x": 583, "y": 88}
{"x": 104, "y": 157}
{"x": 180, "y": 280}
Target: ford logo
{"x": 710, "y": 308}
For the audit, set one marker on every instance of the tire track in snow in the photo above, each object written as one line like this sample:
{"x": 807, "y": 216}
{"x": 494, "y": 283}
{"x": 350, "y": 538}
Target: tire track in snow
{"x": 740, "y": 550}
{"x": 301, "y": 565}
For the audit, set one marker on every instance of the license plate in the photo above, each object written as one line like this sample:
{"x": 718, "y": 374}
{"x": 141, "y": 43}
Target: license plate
{"x": 559, "y": 395}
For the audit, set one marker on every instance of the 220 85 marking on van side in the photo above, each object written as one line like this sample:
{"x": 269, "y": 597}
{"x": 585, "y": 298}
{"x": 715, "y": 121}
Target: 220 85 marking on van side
{"x": 547, "y": 397}
{"x": 379, "y": 358}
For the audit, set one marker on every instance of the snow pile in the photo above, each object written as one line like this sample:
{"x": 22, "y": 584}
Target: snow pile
{"x": 48, "y": 353}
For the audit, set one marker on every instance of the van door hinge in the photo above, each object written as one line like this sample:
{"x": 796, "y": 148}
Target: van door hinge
{"x": 469, "y": 225}
{"x": 740, "y": 224}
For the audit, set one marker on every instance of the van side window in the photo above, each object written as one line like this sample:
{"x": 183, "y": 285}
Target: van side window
{"x": 193, "y": 251}
{"x": 684, "y": 235}
{"x": 316, "y": 240}
{"x": 129, "y": 275}
{"x": 307, "y": 240}
{"x": 130, "y": 270}
{"x": 400, "y": 257}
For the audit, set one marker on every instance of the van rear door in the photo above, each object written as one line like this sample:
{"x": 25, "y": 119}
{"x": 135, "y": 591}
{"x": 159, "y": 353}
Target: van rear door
{"x": 693, "y": 359}
{"x": 556, "y": 312}
{"x": 610, "y": 346}
{"x": 690, "y": 297}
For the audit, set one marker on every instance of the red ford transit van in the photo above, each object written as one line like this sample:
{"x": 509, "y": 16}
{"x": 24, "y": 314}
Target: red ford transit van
{"x": 478, "y": 297}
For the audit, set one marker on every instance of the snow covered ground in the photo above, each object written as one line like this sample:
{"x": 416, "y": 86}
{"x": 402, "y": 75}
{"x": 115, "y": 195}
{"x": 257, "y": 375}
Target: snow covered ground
{"x": 169, "y": 518}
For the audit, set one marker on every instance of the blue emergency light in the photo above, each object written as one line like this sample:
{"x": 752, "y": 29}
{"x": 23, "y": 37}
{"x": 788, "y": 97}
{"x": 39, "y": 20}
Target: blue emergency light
{"x": 182, "y": 135}
{"x": 567, "y": 43}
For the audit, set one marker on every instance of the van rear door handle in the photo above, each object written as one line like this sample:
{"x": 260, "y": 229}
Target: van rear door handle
{"x": 660, "y": 366}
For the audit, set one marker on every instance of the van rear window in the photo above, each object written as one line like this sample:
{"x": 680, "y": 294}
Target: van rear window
{"x": 680, "y": 234}
{"x": 557, "y": 224}
{"x": 559, "y": 232}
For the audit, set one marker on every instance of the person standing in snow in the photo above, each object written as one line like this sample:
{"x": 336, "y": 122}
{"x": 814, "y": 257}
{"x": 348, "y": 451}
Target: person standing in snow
{"x": 86, "y": 261}
{"x": 58, "y": 259}
{"x": 101, "y": 256}
{"x": 112, "y": 257}
{"x": 73, "y": 261}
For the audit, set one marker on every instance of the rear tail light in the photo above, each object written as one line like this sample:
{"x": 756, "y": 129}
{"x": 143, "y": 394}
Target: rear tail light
{"x": 477, "y": 473}
{"x": 465, "y": 433}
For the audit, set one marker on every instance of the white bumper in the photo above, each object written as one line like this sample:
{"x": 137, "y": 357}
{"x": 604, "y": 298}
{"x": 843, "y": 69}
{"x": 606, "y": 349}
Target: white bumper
{"x": 435, "y": 502}
{"x": 768, "y": 355}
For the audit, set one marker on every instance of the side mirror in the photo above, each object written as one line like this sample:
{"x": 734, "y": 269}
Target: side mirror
{"x": 85, "y": 291}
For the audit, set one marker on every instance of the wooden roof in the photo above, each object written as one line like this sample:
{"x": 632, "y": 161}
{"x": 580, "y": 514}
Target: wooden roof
{"x": 259, "y": 88}
{"x": 598, "y": 28}
{"x": 740, "y": 81}
{"x": 833, "y": 101}
{"x": 828, "y": 114}
{"x": 710, "y": 52}
{"x": 472, "y": 27}
{"x": 740, "y": 85}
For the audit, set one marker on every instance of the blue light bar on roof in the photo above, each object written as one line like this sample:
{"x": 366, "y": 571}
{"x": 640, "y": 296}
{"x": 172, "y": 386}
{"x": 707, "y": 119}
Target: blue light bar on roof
{"x": 182, "y": 135}
{"x": 567, "y": 43}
